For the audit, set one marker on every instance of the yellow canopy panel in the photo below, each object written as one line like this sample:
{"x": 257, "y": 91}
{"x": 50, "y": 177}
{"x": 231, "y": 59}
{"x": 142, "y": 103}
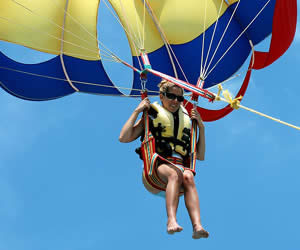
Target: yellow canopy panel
{"x": 52, "y": 26}
{"x": 181, "y": 21}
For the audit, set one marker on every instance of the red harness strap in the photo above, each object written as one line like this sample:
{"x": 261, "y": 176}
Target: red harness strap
{"x": 150, "y": 157}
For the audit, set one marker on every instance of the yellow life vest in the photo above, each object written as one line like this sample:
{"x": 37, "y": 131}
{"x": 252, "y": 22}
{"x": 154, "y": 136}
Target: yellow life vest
{"x": 164, "y": 130}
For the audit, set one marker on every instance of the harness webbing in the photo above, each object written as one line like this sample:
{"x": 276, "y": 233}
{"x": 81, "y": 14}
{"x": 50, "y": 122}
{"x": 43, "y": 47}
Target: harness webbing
{"x": 194, "y": 135}
{"x": 150, "y": 156}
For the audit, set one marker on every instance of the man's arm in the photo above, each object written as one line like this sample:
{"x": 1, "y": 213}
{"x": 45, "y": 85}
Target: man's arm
{"x": 132, "y": 129}
{"x": 200, "y": 147}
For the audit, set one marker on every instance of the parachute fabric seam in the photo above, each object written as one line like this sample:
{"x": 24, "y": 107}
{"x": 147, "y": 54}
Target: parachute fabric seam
{"x": 62, "y": 51}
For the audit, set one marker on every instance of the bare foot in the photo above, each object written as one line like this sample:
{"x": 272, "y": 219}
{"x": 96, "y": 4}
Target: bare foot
{"x": 199, "y": 232}
{"x": 173, "y": 227}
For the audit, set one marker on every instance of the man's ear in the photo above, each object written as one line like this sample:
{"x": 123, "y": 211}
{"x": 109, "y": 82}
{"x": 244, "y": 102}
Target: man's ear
{"x": 161, "y": 96}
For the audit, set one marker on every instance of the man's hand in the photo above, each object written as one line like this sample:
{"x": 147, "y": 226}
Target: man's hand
{"x": 196, "y": 116}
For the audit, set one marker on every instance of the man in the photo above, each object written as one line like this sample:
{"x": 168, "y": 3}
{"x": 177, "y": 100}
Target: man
{"x": 173, "y": 119}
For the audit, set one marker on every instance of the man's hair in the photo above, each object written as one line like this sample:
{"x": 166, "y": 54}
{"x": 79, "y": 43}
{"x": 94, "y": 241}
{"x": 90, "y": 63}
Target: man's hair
{"x": 165, "y": 85}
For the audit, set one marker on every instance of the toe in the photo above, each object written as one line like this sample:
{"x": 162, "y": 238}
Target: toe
{"x": 200, "y": 234}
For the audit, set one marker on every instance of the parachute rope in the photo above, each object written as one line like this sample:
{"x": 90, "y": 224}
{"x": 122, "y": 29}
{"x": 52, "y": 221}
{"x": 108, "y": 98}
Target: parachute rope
{"x": 135, "y": 38}
{"x": 140, "y": 36}
{"x": 170, "y": 51}
{"x": 77, "y": 82}
{"x": 144, "y": 24}
{"x": 163, "y": 37}
{"x": 135, "y": 45}
{"x": 50, "y": 21}
{"x": 52, "y": 51}
{"x": 235, "y": 104}
{"x": 53, "y": 23}
{"x": 236, "y": 39}
{"x": 104, "y": 48}
{"x": 213, "y": 36}
{"x": 107, "y": 52}
{"x": 57, "y": 38}
{"x": 129, "y": 31}
{"x": 221, "y": 39}
{"x": 203, "y": 40}
{"x": 60, "y": 39}
{"x": 61, "y": 52}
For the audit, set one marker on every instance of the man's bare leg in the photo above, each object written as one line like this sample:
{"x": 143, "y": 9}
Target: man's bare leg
{"x": 173, "y": 177}
{"x": 192, "y": 204}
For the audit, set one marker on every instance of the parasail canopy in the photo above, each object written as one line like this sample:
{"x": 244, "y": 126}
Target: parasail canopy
{"x": 206, "y": 39}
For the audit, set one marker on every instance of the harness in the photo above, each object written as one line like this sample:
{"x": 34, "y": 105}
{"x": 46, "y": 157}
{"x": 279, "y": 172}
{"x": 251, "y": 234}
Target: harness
{"x": 150, "y": 156}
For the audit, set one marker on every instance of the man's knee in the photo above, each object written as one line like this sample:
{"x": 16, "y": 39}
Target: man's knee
{"x": 188, "y": 178}
{"x": 175, "y": 176}
{"x": 170, "y": 173}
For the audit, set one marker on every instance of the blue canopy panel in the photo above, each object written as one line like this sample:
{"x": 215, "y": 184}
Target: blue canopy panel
{"x": 89, "y": 76}
{"x": 32, "y": 85}
{"x": 262, "y": 26}
{"x": 46, "y": 81}
{"x": 217, "y": 69}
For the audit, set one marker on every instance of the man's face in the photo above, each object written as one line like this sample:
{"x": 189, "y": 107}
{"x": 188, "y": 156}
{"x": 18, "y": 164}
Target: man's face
{"x": 170, "y": 103}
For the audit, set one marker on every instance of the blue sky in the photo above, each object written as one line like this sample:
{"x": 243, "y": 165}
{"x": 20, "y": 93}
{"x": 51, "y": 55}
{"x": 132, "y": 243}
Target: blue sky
{"x": 67, "y": 183}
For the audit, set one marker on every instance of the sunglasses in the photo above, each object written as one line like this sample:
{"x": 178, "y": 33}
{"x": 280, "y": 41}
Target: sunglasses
{"x": 171, "y": 96}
